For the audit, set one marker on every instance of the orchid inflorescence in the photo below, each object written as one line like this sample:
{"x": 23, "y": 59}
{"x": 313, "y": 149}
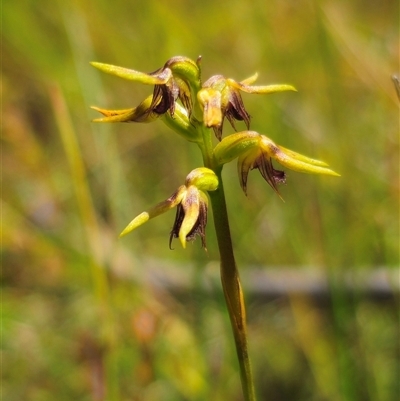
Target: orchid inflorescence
{"x": 184, "y": 103}
{"x": 195, "y": 110}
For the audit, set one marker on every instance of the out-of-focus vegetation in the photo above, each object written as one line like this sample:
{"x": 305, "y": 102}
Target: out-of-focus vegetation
{"x": 81, "y": 316}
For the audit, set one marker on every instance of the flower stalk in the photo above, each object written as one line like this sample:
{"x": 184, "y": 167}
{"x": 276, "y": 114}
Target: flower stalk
{"x": 232, "y": 290}
{"x": 196, "y": 110}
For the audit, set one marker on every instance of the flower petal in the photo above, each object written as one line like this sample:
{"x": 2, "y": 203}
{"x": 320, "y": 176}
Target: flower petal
{"x": 297, "y": 164}
{"x": 303, "y": 158}
{"x": 263, "y": 89}
{"x": 249, "y": 80}
{"x": 294, "y": 161}
{"x": 160, "y": 208}
{"x": 111, "y": 113}
{"x": 149, "y": 79}
{"x": 141, "y": 114}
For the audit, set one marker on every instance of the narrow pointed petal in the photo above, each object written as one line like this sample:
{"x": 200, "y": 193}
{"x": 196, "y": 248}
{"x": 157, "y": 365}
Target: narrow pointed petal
{"x": 299, "y": 165}
{"x": 140, "y": 114}
{"x": 294, "y": 161}
{"x": 249, "y": 80}
{"x": 265, "y": 89}
{"x": 136, "y": 222}
{"x": 111, "y": 113}
{"x": 160, "y": 208}
{"x": 116, "y": 116}
{"x": 132, "y": 75}
{"x": 303, "y": 158}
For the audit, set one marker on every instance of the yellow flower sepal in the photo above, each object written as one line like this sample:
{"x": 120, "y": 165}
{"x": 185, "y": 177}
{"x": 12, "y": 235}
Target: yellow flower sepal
{"x": 245, "y": 86}
{"x": 293, "y": 160}
{"x": 139, "y": 114}
{"x": 155, "y": 211}
{"x": 160, "y": 78}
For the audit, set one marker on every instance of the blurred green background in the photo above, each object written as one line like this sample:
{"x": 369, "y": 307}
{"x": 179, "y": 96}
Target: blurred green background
{"x": 86, "y": 316}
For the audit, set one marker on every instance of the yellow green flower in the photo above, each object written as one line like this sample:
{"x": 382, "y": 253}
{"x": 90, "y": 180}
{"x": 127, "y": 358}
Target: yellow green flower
{"x": 192, "y": 206}
{"x": 175, "y": 80}
{"x": 191, "y": 217}
{"x": 255, "y": 151}
{"x": 220, "y": 97}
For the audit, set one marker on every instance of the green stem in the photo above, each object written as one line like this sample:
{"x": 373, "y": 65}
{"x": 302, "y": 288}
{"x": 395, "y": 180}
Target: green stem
{"x": 229, "y": 273}
{"x": 232, "y": 287}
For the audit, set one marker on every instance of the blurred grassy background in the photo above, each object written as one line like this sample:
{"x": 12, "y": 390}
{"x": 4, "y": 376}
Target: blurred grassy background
{"x": 82, "y": 315}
